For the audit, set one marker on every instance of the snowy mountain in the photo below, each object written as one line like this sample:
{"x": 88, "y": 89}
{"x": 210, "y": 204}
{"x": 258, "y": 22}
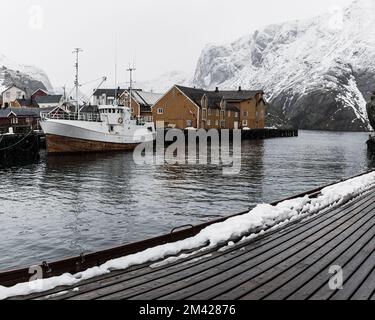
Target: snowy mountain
{"x": 163, "y": 83}
{"x": 24, "y": 76}
{"x": 316, "y": 72}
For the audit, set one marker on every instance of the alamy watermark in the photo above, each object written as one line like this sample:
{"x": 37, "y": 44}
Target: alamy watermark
{"x": 194, "y": 147}
{"x": 36, "y": 17}
{"x": 336, "y": 281}
{"x": 35, "y": 281}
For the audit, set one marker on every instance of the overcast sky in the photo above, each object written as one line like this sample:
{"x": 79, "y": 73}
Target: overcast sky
{"x": 159, "y": 35}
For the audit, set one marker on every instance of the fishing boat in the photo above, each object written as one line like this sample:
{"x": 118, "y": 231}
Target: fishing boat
{"x": 111, "y": 129}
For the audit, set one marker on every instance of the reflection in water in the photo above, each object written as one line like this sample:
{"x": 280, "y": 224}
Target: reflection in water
{"x": 67, "y": 205}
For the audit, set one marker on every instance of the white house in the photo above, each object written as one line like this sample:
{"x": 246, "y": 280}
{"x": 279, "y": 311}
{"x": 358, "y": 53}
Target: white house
{"x": 11, "y": 94}
{"x": 50, "y": 101}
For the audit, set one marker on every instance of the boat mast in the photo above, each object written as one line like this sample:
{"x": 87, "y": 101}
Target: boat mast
{"x": 77, "y": 51}
{"x": 130, "y": 70}
{"x": 116, "y": 93}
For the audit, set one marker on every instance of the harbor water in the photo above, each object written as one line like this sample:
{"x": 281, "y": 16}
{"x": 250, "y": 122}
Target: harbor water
{"x": 67, "y": 205}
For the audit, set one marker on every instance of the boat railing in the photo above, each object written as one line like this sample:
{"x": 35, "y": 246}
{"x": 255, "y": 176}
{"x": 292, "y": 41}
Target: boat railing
{"x": 90, "y": 117}
{"x": 142, "y": 120}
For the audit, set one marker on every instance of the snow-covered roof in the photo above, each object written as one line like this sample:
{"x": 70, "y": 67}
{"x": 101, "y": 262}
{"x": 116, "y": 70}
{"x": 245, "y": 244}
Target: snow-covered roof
{"x": 146, "y": 98}
{"x": 13, "y": 86}
{"x": 215, "y": 97}
{"x": 19, "y": 112}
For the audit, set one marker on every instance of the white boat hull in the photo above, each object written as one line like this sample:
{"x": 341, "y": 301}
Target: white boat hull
{"x": 66, "y": 136}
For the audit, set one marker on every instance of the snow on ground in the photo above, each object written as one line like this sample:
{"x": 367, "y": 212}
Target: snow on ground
{"x": 263, "y": 217}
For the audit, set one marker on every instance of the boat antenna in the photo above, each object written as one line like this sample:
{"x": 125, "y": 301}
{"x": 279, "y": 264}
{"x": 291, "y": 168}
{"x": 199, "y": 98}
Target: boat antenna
{"x": 64, "y": 88}
{"x": 116, "y": 102}
{"x": 131, "y": 70}
{"x": 77, "y": 51}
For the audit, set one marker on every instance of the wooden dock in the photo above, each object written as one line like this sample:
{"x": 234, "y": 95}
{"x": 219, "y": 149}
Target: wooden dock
{"x": 289, "y": 263}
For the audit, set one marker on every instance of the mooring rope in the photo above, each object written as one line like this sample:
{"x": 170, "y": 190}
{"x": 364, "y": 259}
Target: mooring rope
{"x": 17, "y": 143}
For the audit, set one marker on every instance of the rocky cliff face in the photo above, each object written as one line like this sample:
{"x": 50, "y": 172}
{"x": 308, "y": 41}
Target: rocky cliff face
{"x": 371, "y": 110}
{"x": 24, "y": 76}
{"x": 317, "y": 73}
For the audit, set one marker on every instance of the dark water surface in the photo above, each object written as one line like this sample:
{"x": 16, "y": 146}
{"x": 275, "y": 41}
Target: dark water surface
{"x": 67, "y": 205}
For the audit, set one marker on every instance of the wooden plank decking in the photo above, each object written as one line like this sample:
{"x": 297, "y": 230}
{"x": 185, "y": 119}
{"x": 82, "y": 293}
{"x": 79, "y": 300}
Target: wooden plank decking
{"x": 289, "y": 263}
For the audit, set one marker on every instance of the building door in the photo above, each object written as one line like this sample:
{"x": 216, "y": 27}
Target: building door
{"x": 235, "y": 125}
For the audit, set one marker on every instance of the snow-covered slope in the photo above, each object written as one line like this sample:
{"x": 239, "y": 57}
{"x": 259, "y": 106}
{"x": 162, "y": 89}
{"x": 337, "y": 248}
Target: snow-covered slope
{"x": 163, "y": 83}
{"x": 25, "y": 76}
{"x": 317, "y": 72}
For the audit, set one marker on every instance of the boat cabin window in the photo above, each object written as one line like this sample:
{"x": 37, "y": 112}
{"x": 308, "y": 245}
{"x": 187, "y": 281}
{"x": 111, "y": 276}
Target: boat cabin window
{"x": 116, "y": 111}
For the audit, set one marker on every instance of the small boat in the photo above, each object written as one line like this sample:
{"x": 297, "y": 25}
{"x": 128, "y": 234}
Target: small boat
{"x": 112, "y": 128}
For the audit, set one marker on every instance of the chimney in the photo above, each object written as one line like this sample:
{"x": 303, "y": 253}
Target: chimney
{"x": 239, "y": 89}
{"x": 217, "y": 89}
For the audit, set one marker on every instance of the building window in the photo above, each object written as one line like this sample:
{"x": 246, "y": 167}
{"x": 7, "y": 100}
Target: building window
{"x": 160, "y": 111}
{"x": 216, "y": 122}
{"x": 208, "y": 122}
{"x": 236, "y": 114}
{"x": 229, "y": 114}
{"x": 244, "y": 123}
{"x": 246, "y": 114}
{"x": 218, "y": 113}
{"x": 222, "y": 124}
{"x": 14, "y": 120}
{"x": 204, "y": 113}
{"x": 209, "y": 112}
{"x": 223, "y": 114}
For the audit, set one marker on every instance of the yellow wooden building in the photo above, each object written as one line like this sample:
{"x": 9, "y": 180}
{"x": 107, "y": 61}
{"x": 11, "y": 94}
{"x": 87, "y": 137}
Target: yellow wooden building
{"x": 184, "y": 107}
